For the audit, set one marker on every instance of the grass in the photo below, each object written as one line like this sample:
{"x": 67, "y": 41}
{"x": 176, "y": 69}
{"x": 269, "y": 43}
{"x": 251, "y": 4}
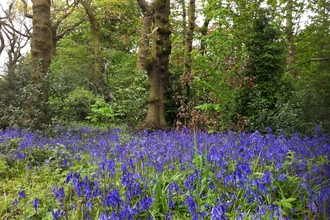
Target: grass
{"x": 91, "y": 173}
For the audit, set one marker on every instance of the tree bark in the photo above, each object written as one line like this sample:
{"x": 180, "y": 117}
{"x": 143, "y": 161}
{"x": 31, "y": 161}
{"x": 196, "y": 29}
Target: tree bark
{"x": 36, "y": 110}
{"x": 144, "y": 34}
{"x": 96, "y": 26}
{"x": 290, "y": 36}
{"x": 157, "y": 66}
{"x": 187, "y": 77}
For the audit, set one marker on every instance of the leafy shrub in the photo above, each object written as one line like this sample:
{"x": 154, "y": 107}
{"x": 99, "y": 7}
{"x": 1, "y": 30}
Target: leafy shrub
{"x": 130, "y": 103}
{"x": 76, "y": 106}
{"x": 262, "y": 96}
{"x": 13, "y": 95}
{"x": 101, "y": 113}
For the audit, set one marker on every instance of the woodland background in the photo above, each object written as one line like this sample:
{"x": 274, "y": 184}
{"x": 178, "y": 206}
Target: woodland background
{"x": 241, "y": 65}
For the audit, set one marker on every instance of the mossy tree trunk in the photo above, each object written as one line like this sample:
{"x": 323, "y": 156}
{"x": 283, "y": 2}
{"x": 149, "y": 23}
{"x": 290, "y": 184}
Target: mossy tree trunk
{"x": 156, "y": 65}
{"x": 36, "y": 112}
{"x": 144, "y": 34}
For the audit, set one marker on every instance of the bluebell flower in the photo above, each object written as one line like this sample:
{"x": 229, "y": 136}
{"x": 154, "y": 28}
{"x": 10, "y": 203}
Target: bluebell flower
{"x": 145, "y": 203}
{"x": 113, "y": 199}
{"x": 281, "y": 176}
{"x": 218, "y": 212}
{"x": 103, "y": 216}
{"x": 173, "y": 187}
{"x": 267, "y": 177}
{"x": 15, "y": 203}
{"x": 59, "y": 194}
{"x": 112, "y": 168}
{"x": 21, "y": 194}
{"x": 126, "y": 213}
{"x": 35, "y": 204}
{"x": 57, "y": 214}
{"x": 171, "y": 203}
{"x": 192, "y": 206}
{"x": 89, "y": 205}
{"x": 189, "y": 182}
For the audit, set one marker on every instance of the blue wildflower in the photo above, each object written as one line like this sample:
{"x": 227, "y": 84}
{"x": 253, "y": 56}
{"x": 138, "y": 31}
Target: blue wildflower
{"x": 218, "y": 212}
{"x": 113, "y": 199}
{"x": 57, "y": 214}
{"x": 192, "y": 206}
{"x": 15, "y": 203}
{"x": 171, "y": 203}
{"x": 21, "y": 194}
{"x": 59, "y": 195}
{"x": 103, "y": 216}
{"x": 35, "y": 204}
{"x": 267, "y": 177}
{"x": 89, "y": 205}
{"x": 189, "y": 182}
{"x": 145, "y": 203}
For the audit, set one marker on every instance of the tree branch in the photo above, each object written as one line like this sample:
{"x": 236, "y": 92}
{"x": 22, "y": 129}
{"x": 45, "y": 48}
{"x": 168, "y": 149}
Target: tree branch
{"x": 2, "y": 40}
{"x": 143, "y": 5}
{"x": 59, "y": 36}
{"x": 320, "y": 59}
{"x": 149, "y": 35}
{"x": 25, "y": 10}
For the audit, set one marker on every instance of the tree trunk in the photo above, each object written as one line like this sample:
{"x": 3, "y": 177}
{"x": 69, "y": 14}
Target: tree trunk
{"x": 157, "y": 66}
{"x": 97, "y": 60}
{"x": 96, "y": 79}
{"x": 144, "y": 34}
{"x": 187, "y": 77}
{"x": 290, "y": 36}
{"x": 36, "y": 108}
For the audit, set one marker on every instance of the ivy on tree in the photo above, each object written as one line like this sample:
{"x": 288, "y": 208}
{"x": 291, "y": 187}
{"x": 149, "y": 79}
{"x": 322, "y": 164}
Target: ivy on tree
{"x": 263, "y": 86}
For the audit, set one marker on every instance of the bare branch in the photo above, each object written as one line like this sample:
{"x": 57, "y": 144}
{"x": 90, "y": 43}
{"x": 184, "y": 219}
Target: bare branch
{"x": 320, "y": 59}
{"x": 149, "y": 35}
{"x": 2, "y": 40}
{"x": 70, "y": 29}
{"x": 26, "y": 11}
{"x": 6, "y": 26}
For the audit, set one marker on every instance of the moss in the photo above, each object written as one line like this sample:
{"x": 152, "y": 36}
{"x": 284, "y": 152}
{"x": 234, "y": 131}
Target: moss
{"x": 165, "y": 19}
{"x": 159, "y": 41}
{"x": 165, "y": 29}
{"x": 150, "y": 62}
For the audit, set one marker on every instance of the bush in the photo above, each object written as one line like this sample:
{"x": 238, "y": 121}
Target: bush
{"x": 101, "y": 113}
{"x": 13, "y": 94}
{"x": 76, "y": 106}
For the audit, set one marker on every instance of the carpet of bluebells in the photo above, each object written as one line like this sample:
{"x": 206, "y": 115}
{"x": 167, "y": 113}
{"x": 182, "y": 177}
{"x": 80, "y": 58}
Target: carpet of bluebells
{"x": 94, "y": 173}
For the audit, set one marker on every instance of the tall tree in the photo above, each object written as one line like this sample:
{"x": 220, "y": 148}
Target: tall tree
{"x": 289, "y": 32}
{"x": 259, "y": 96}
{"x": 36, "y": 110}
{"x": 156, "y": 63}
{"x": 145, "y": 30}
{"x": 187, "y": 77}
{"x": 96, "y": 26}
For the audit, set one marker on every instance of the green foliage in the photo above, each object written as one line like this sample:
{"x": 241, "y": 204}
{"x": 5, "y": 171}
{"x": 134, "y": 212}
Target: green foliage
{"x": 264, "y": 92}
{"x": 70, "y": 67}
{"x": 13, "y": 95}
{"x": 130, "y": 100}
{"x": 101, "y": 113}
{"x": 76, "y": 106}
{"x": 312, "y": 82}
